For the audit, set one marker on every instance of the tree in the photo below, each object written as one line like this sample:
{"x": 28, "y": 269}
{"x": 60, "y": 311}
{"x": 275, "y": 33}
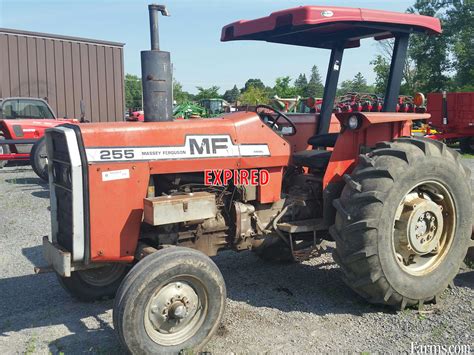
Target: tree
{"x": 253, "y": 83}
{"x": 283, "y": 87}
{"x": 458, "y": 27}
{"x": 358, "y": 84}
{"x": 430, "y": 53}
{"x": 315, "y": 86}
{"x": 254, "y": 96}
{"x": 133, "y": 91}
{"x": 179, "y": 95}
{"x": 232, "y": 95}
{"x": 207, "y": 93}
{"x": 382, "y": 69}
{"x": 301, "y": 85}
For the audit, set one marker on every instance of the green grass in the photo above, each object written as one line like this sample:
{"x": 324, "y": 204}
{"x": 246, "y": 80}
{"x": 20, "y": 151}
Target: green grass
{"x": 31, "y": 345}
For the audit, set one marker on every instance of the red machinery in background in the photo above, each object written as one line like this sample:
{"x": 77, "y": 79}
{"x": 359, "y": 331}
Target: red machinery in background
{"x": 452, "y": 115}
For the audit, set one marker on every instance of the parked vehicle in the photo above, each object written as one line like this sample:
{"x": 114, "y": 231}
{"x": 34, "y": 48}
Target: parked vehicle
{"x": 138, "y": 208}
{"x": 452, "y": 116}
{"x": 23, "y": 121}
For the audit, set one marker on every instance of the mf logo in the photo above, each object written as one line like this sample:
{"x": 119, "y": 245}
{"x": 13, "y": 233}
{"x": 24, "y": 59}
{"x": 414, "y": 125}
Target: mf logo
{"x": 208, "y": 145}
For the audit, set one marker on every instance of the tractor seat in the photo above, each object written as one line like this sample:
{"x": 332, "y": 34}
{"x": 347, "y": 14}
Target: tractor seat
{"x": 314, "y": 159}
{"x": 323, "y": 140}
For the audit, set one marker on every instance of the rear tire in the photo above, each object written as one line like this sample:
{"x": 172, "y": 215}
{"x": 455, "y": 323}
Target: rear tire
{"x": 4, "y": 149}
{"x": 95, "y": 284}
{"x": 39, "y": 159}
{"x": 378, "y": 232}
{"x": 172, "y": 300}
{"x": 466, "y": 145}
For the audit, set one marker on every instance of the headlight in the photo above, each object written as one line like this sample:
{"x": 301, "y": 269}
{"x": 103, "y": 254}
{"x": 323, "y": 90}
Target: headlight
{"x": 353, "y": 122}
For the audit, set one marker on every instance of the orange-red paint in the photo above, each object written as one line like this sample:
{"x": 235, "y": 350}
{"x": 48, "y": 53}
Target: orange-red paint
{"x": 116, "y": 207}
{"x": 375, "y": 127}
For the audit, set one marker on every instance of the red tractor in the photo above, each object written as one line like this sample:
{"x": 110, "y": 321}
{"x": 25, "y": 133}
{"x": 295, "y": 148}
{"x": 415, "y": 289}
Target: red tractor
{"x": 138, "y": 208}
{"x": 23, "y": 121}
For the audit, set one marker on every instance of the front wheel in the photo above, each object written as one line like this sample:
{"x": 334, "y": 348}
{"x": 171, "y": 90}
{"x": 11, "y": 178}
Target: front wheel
{"x": 95, "y": 284}
{"x": 172, "y": 300}
{"x": 39, "y": 159}
{"x": 403, "y": 222}
{"x": 4, "y": 149}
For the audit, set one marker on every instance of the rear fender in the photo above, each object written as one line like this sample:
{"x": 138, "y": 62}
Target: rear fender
{"x": 373, "y": 127}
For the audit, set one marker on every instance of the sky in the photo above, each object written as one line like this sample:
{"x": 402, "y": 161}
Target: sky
{"x": 192, "y": 35}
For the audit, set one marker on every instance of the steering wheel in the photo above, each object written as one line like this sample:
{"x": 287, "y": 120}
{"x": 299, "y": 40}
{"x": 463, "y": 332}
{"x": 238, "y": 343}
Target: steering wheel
{"x": 271, "y": 121}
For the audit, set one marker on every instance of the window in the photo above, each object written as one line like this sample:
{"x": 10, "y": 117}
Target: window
{"x": 25, "y": 108}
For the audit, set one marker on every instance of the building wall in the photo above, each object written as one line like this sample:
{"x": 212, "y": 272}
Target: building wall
{"x": 66, "y": 70}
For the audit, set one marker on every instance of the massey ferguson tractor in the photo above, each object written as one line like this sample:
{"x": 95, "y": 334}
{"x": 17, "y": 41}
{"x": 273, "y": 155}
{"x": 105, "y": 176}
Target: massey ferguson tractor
{"x": 137, "y": 208}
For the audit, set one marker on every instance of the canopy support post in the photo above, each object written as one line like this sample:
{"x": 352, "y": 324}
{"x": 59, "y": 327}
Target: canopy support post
{"x": 330, "y": 89}
{"x": 396, "y": 73}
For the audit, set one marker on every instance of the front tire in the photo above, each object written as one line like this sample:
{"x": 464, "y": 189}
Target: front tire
{"x": 403, "y": 222}
{"x": 4, "y": 149}
{"x": 94, "y": 284}
{"x": 172, "y": 300}
{"x": 39, "y": 159}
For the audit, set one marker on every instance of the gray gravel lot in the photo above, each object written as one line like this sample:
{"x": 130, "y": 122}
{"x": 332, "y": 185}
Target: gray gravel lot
{"x": 299, "y": 308}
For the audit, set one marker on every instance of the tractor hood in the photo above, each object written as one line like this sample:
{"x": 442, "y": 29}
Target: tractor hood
{"x": 236, "y": 138}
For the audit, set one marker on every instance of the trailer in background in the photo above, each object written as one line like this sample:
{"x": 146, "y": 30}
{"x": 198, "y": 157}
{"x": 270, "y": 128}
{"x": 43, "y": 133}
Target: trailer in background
{"x": 452, "y": 115}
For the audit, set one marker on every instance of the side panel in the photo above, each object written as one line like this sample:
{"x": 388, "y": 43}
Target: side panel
{"x": 122, "y": 156}
{"x": 116, "y": 209}
{"x": 375, "y": 128}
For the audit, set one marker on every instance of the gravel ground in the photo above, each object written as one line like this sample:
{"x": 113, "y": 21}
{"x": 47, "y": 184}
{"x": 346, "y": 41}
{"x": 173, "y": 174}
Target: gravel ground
{"x": 302, "y": 308}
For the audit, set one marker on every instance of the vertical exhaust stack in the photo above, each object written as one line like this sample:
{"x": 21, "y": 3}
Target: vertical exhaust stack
{"x": 156, "y": 74}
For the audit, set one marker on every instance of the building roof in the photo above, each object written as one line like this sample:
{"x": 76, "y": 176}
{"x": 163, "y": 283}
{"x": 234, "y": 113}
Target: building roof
{"x": 59, "y": 37}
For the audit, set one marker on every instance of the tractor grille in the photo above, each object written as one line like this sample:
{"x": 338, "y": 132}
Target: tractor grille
{"x": 68, "y": 176}
{"x": 62, "y": 185}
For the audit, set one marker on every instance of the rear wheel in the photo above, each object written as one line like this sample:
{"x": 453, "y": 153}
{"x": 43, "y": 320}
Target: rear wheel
{"x": 39, "y": 159}
{"x": 95, "y": 284}
{"x": 172, "y": 300}
{"x": 466, "y": 145}
{"x": 403, "y": 222}
{"x": 4, "y": 149}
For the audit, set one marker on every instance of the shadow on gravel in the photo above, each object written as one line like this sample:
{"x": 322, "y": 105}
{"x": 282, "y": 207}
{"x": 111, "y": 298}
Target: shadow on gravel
{"x": 36, "y": 186}
{"x": 36, "y": 301}
{"x": 465, "y": 279}
{"x": 316, "y": 289}
{"x": 27, "y": 181}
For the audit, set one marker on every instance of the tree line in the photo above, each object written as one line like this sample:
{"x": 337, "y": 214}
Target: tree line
{"x": 434, "y": 63}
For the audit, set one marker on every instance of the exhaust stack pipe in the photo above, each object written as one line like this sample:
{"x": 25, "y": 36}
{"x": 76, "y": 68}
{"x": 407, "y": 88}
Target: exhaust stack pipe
{"x": 157, "y": 78}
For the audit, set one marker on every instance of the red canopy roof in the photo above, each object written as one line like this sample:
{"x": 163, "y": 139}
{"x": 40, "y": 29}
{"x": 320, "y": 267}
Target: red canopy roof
{"x": 320, "y": 26}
